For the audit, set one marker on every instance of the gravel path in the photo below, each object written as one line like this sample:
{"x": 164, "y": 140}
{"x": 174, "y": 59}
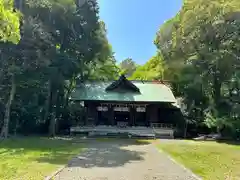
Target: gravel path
{"x": 123, "y": 160}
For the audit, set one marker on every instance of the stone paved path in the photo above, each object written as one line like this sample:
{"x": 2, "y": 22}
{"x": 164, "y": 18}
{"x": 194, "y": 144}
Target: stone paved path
{"x": 123, "y": 160}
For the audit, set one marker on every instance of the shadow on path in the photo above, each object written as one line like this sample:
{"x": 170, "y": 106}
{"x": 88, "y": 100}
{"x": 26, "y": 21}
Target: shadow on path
{"x": 104, "y": 154}
{"x": 90, "y": 152}
{"x": 108, "y": 153}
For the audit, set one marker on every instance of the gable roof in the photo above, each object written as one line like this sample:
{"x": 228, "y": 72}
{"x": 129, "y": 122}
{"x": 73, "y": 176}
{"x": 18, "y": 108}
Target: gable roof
{"x": 122, "y": 82}
{"x": 149, "y": 92}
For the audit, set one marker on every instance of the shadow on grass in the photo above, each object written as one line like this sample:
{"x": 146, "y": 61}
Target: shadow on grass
{"x": 58, "y": 151}
{"x": 229, "y": 142}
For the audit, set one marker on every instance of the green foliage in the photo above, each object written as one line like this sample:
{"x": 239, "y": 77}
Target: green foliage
{"x": 127, "y": 67}
{"x": 212, "y": 121}
{"x": 9, "y": 26}
{"x": 200, "y": 48}
{"x": 35, "y": 157}
{"x": 62, "y": 42}
{"x": 206, "y": 159}
{"x": 151, "y": 70}
{"x": 105, "y": 67}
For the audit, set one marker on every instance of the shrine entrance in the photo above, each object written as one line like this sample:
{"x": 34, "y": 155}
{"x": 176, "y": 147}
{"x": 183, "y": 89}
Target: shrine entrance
{"x": 141, "y": 119}
{"x": 103, "y": 118}
{"x": 121, "y": 116}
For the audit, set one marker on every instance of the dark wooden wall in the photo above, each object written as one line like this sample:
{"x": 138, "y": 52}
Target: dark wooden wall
{"x": 91, "y": 113}
{"x": 155, "y": 113}
{"x": 152, "y": 113}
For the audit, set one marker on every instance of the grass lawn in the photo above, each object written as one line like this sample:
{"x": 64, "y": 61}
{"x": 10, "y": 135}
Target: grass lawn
{"x": 33, "y": 158}
{"x": 209, "y": 160}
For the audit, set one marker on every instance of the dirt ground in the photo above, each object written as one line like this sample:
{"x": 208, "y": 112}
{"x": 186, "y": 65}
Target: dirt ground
{"x": 123, "y": 160}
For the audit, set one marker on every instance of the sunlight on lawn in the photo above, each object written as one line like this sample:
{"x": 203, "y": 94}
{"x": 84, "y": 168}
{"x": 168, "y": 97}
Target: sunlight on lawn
{"x": 34, "y": 158}
{"x": 209, "y": 160}
{"x": 136, "y": 141}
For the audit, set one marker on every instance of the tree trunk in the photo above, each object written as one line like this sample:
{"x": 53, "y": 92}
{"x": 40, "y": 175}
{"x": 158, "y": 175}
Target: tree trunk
{"x": 52, "y": 108}
{"x": 48, "y": 102}
{"x": 217, "y": 91}
{"x": 185, "y": 129}
{"x": 5, "y": 128}
{"x": 59, "y": 109}
{"x": 16, "y": 127}
{"x": 217, "y": 85}
{"x": 49, "y": 110}
{"x": 52, "y": 125}
{"x": 69, "y": 91}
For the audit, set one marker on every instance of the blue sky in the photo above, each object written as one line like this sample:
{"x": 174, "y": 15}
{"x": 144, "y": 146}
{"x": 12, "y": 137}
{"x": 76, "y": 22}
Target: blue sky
{"x": 132, "y": 25}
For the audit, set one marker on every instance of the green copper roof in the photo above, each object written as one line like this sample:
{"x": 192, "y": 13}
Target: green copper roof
{"x": 149, "y": 92}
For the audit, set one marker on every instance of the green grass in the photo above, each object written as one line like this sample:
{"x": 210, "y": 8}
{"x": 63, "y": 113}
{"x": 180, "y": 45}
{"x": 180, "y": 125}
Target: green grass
{"x": 34, "y": 158}
{"x": 209, "y": 160}
{"x": 130, "y": 140}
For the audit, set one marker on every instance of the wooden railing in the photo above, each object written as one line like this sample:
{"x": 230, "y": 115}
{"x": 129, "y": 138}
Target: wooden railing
{"x": 161, "y": 129}
{"x": 162, "y": 126}
{"x": 157, "y": 130}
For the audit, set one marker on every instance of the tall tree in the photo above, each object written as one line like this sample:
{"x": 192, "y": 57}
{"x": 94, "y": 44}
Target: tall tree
{"x": 151, "y": 70}
{"x": 199, "y": 46}
{"x": 127, "y": 66}
{"x": 61, "y": 41}
{"x": 104, "y": 67}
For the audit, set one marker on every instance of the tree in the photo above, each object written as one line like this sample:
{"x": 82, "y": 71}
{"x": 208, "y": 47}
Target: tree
{"x": 61, "y": 43}
{"x": 18, "y": 59}
{"x": 127, "y": 67}
{"x": 104, "y": 67}
{"x": 151, "y": 70}
{"x": 199, "y": 47}
{"x": 9, "y": 26}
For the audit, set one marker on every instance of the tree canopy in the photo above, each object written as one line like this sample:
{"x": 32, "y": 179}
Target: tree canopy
{"x": 152, "y": 70}
{"x": 127, "y": 66}
{"x": 63, "y": 42}
{"x": 200, "y": 47}
{"x": 9, "y": 26}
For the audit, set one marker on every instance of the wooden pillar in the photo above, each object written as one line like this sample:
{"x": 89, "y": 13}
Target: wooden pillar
{"x": 95, "y": 115}
{"x": 148, "y": 114}
{"x": 92, "y": 115}
{"x": 132, "y": 116}
{"x": 111, "y": 116}
{"x": 86, "y": 116}
{"x": 153, "y": 114}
